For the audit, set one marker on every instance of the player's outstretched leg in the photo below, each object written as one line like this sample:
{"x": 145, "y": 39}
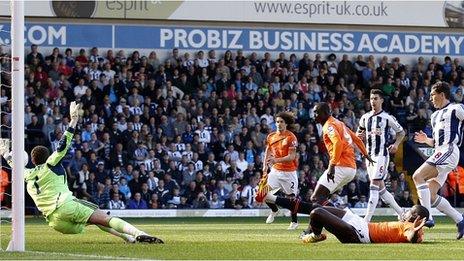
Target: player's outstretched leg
{"x": 295, "y": 205}
{"x": 125, "y": 237}
{"x": 330, "y": 218}
{"x": 100, "y": 218}
{"x": 445, "y": 207}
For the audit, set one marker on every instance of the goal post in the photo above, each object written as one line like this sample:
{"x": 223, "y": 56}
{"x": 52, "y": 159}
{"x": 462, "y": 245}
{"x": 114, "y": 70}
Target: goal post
{"x": 17, "y": 242}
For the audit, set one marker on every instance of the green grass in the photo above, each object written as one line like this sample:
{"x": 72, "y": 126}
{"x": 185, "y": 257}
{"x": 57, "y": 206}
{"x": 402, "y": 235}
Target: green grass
{"x": 224, "y": 238}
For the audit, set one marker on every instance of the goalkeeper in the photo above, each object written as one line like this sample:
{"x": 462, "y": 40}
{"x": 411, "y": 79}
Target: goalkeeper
{"x": 48, "y": 187}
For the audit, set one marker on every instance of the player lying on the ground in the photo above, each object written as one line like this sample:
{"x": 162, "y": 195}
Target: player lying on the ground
{"x": 351, "y": 228}
{"x": 47, "y": 185}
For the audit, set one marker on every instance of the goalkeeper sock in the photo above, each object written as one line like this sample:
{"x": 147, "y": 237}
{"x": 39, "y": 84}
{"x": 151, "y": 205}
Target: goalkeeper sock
{"x": 372, "y": 203}
{"x": 122, "y": 226}
{"x": 127, "y": 238}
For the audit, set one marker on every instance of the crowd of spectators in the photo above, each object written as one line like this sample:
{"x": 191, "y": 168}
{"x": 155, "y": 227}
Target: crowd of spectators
{"x": 188, "y": 131}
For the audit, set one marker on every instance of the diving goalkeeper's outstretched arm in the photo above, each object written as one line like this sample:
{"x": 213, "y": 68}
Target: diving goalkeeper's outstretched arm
{"x": 66, "y": 140}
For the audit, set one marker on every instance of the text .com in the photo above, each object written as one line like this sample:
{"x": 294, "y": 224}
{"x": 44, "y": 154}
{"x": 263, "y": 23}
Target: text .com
{"x": 322, "y": 8}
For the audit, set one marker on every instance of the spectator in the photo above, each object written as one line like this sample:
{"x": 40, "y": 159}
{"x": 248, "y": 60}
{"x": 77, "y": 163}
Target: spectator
{"x": 362, "y": 203}
{"x": 214, "y": 203}
{"x": 405, "y": 200}
{"x": 116, "y": 202}
{"x": 137, "y": 202}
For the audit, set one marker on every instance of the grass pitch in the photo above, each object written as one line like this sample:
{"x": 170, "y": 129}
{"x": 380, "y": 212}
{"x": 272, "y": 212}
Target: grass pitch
{"x": 223, "y": 238}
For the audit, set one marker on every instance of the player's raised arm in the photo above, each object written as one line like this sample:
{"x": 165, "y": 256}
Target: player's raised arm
{"x": 66, "y": 140}
{"x": 415, "y": 234}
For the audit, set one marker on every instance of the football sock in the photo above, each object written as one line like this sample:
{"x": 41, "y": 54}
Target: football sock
{"x": 126, "y": 237}
{"x": 294, "y": 205}
{"x": 372, "y": 204}
{"x": 272, "y": 206}
{"x": 388, "y": 198}
{"x": 294, "y": 217}
{"x": 270, "y": 198}
{"x": 445, "y": 207}
{"x": 424, "y": 197}
{"x": 122, "y": 226}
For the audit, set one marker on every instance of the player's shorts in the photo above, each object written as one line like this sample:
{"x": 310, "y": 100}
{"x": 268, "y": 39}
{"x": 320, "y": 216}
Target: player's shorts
{"x": 359, "y": 224}
{"x": 72, "y": 216}
{"x": 379, "y": 169}
{"x": 343, "y": 175}
{"x": 287, "y": 181}
{"x": 445, "y": 159}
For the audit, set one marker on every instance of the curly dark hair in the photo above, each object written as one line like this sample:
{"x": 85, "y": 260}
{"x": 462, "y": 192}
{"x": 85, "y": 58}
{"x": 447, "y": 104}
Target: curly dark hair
{"x": 288, "y": 118}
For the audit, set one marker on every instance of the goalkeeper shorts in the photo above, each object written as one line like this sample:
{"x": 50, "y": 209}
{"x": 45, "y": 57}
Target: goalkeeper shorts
{"x": 72, "y": 216}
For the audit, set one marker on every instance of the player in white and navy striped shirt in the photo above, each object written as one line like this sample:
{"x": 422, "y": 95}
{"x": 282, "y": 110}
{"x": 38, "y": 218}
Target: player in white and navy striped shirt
{"x": 375, "y": 127}
{"x": 447, "y": 124}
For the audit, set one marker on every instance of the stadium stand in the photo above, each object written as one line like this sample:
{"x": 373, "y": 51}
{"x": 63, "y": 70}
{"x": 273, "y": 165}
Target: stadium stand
{"x": 189, "y": 131}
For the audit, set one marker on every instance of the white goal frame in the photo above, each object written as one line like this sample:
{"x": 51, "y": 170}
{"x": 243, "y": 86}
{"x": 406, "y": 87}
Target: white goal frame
{"x": 17, "y": 242}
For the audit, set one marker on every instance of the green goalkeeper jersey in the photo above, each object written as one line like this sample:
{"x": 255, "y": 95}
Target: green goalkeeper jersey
{"x": 47, "y": 183}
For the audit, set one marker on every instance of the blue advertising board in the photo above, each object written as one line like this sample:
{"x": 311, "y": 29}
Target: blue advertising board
{"x": 248, "y": 39}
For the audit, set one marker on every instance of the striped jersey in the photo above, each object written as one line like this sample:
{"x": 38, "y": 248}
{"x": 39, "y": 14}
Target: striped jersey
{"x": 447, "y": 125}
{"x": 377, "y": 127}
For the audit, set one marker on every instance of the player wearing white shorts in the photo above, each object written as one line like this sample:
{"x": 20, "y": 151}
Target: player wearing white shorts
{"x": 281, "y": 155}
{"x": 340, "y": 142}
{"x": 447, "y": 125}
{"x": 374, "y": 127}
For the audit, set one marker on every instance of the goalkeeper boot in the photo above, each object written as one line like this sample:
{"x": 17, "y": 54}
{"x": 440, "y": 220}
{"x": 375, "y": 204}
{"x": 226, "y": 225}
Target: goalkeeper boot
{"x": 313, "y": 238}
{"x": 149, "y": 239}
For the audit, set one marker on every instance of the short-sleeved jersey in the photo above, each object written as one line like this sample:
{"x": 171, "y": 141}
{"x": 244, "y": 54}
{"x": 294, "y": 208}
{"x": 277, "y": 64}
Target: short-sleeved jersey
{"x": 47, "y": 183}
{"x": 447, "y": 125}
{"x": 338, "y": 140}
{"x": 392, "y": 232}
{"x": 279, "y": 145}
{"x": 377, "y": 127}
